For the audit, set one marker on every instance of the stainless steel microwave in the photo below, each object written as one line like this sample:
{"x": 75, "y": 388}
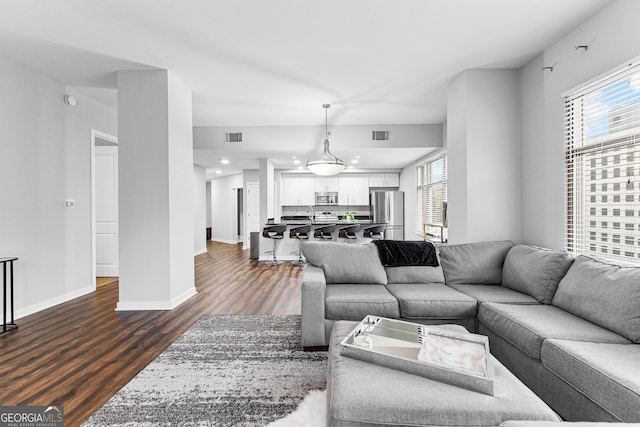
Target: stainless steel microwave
{"x": 328, "y": 198}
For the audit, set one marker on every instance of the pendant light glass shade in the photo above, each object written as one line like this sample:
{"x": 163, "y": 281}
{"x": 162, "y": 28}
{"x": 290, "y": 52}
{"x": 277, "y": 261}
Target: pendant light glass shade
{"x": 326, "y": 164}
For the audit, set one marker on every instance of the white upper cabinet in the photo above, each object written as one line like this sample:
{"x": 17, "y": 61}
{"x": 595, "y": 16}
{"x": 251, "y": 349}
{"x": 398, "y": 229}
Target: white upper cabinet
{"x": 326, "y": 183}
{"x": 298, "y": 190}
{"x": 389, "y": 179}
{"x": 354, "y": 190}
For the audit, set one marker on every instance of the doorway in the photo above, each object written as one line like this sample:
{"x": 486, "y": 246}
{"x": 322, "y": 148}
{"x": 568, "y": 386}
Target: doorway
{"x": 253, "y": 211}
{"x": 104, "y": 208}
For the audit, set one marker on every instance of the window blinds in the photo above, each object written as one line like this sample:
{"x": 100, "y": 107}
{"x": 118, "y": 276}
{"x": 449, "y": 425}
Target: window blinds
{"x": 602, "y": 164}
{"x": 431, "y": 192}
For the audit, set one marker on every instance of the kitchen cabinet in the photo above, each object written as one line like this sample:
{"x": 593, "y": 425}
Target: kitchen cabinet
{"x": 297, "y": 190}
{"x": 326, "y": 183}
{"x": 389, "y": 179}
{"x": 354, "y": 190}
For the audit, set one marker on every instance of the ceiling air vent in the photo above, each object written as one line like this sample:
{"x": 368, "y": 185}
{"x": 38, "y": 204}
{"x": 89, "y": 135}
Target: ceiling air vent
{"x": 233, "y": 137}
{"x": 380, "y": 135}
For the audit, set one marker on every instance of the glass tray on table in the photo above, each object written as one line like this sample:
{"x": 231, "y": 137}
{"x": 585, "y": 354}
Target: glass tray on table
{"x": 449, "y": 355}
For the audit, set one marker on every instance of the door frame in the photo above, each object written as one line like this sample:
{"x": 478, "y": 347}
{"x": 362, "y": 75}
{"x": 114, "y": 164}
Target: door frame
{"x": 95, "y": 134}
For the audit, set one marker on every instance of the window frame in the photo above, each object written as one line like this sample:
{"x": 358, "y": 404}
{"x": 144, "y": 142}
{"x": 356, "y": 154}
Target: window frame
{"x": 601, "y": 148}
{"x": 425, "y": 189}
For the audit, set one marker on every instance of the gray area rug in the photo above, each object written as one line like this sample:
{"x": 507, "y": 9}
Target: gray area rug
{"x": 223, "y": 371}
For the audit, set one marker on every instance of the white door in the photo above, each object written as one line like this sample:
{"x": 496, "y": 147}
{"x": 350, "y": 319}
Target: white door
{"x": 106, "y": 211}
{"x": 253, "y": 209}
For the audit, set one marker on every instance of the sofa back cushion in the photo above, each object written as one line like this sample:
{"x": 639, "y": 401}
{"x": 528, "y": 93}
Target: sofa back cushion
{"x": 474, "y": 263}
{"x": 415, "y": 274}
{"x": 346, "y": 262}
{"x": 535, "y": 271}
{"x": 603, "y": 292}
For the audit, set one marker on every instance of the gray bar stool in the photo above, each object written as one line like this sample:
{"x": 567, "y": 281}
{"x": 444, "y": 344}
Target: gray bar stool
{"x": 324, "y": 232}
{"x": 300, "y": 233}
{"x": 275, "y": 232}
{"x": 375, "y": 232}
{"x": 349, "y": 232}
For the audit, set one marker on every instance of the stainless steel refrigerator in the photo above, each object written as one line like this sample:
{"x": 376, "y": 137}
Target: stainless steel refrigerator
{"x": 387, "y": 207}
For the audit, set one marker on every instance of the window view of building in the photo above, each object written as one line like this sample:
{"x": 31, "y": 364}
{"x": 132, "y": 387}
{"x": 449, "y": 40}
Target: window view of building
{"x": 603, "y": 169}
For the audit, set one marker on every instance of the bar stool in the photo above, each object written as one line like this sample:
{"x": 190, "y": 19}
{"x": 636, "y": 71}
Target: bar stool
{"x": 324, "y": 232}
{"x": 375, "y": 232}
{"x": 349, "y": 232}
{"x": 300, "y": 233}
{"x": 275, "y": 232}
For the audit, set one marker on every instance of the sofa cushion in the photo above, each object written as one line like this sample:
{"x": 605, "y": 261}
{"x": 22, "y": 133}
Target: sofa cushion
{"x": 605, "y": 373}
{"x": 535, "y": 271}
{"x": 432, "y": 301}
{"x": 346, "y": 263}
{"x": 414, "y": 274}
{"x": 493, "y": 293}
{"x": 355, "y": 302}
{"x": 474, "y": 263}
{"x": 606, "y": 293}
{"x": 527, "y": 326}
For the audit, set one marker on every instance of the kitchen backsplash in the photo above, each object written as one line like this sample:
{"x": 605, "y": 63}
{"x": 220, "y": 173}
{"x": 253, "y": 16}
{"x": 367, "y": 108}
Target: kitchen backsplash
{"x": 340, "y": 210}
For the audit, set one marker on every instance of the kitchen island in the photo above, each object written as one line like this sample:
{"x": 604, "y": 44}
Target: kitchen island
{"x": 288, "y": 247}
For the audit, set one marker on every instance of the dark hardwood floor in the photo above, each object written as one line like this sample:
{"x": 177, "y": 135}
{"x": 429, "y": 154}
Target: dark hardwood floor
{"x": 78, "y": 354}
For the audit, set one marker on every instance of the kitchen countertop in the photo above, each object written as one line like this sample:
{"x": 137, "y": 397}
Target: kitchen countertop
{"x": 320, "y": 223}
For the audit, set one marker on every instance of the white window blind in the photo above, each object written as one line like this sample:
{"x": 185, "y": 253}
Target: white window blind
{"x": 431, "y": 192}
{"x": 602, "y": 131}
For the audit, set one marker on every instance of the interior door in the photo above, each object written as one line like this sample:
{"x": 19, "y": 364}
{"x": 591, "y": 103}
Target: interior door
{"x": 106, "y": 211}
{"x": 253, "y": 209}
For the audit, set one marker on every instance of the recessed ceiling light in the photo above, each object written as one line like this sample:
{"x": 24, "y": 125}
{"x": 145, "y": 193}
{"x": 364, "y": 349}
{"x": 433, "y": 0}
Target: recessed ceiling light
{"x": 293, "y": 157}
{"x": 297, "y": 162}
{"x": 224, "y": 161}
{"x": 354, "y": 161}
{"x": 218, "y": 172}
{"x": 357, "y": 157}
{"x": 350, "y": 167}
{"x": 300, "y": 167}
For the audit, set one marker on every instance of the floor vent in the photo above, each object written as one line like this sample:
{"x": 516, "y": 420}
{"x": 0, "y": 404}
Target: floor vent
{"x": 380, "y": 135}
{"x": 233, "y": 137}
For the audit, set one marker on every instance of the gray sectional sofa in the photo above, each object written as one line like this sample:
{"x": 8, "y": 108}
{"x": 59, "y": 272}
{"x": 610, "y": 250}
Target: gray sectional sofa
{"x": 568, "y": 327}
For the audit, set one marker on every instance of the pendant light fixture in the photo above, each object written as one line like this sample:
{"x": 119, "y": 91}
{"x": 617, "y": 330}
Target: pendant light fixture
{"x": 326, "y": 164}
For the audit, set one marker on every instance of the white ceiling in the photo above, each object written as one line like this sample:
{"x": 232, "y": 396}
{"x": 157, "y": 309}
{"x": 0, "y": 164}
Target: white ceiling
{"x": 275, "y": 62}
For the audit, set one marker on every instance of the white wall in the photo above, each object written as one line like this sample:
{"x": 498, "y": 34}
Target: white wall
{"x": 484, "y": 160}
{"x": 156, "y": 191}
{"x": 199, "y": 210}
{"x": 613, "y": 38}
{"x": 223, "y": 208}
{"x": 45, "y": 159}
{"x": 351, "y": 136}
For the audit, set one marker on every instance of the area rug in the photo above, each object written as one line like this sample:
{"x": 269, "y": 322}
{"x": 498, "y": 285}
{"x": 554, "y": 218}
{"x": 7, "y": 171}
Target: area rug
{"x": 223, "y": 371}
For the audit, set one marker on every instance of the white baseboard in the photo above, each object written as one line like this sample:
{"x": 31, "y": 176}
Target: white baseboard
{"x": 200, "y": 252}
{"x": 34, "y": 308}
{"x": 156, "y": 305}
